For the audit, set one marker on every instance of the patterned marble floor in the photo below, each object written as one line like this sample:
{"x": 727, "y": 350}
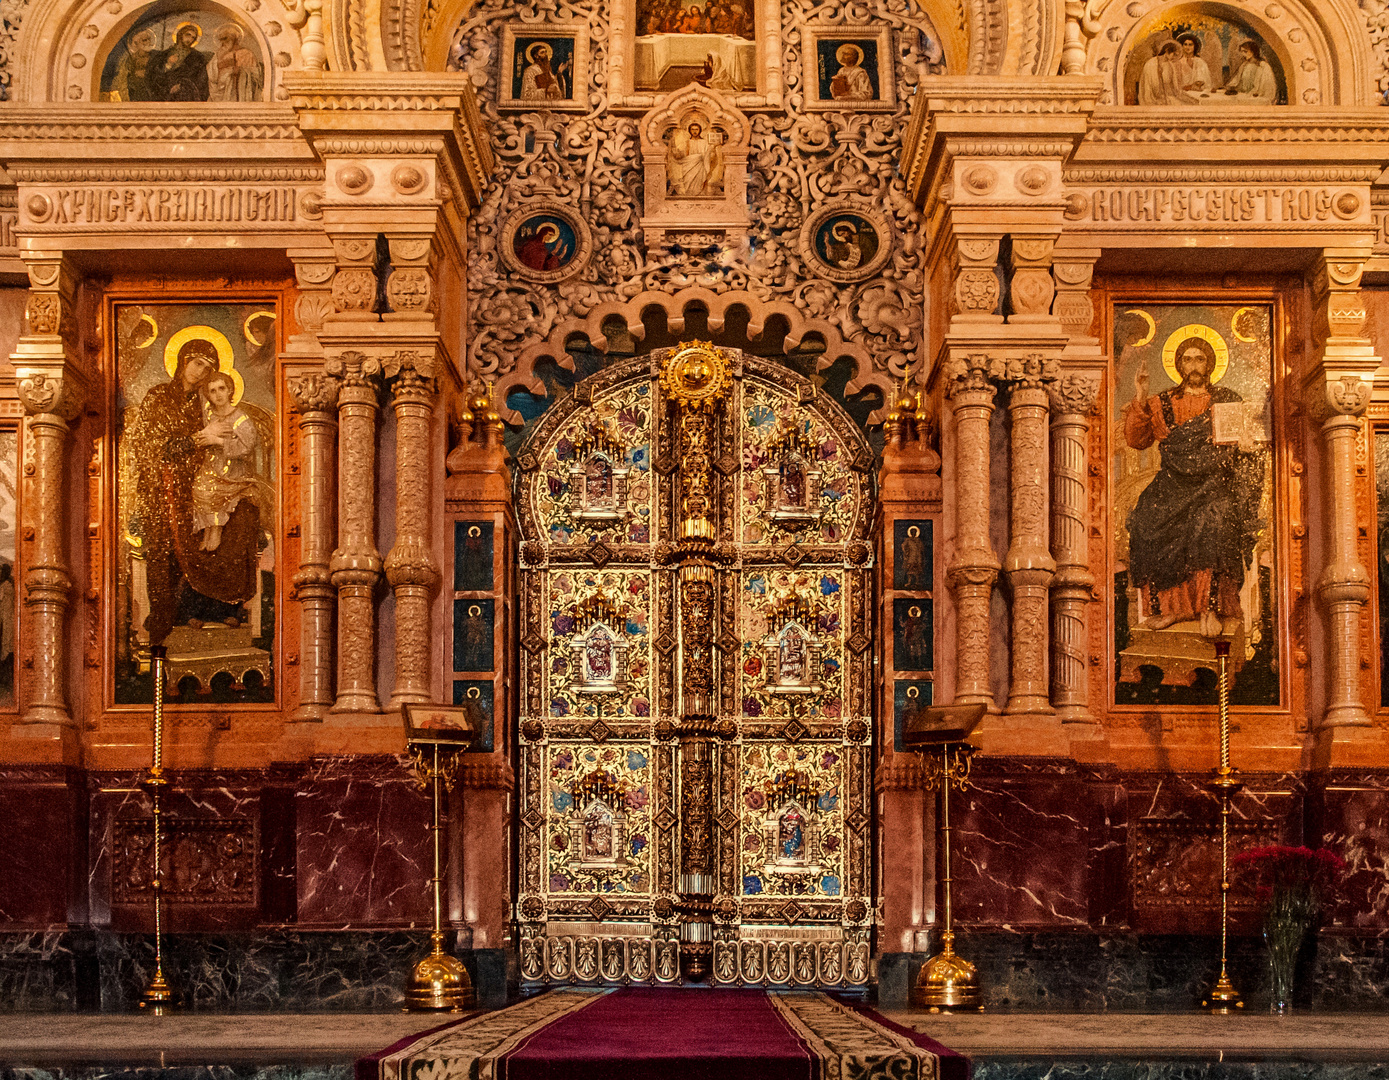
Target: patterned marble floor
{"x": 202, "y": 1039}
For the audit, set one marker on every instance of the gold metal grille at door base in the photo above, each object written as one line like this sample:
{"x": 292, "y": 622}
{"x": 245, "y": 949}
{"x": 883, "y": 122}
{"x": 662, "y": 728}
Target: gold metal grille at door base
{"x": 694, "y": 803}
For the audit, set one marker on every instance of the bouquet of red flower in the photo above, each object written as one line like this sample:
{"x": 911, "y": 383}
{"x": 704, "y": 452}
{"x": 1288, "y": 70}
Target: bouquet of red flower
{"x": 1293, "y": 881}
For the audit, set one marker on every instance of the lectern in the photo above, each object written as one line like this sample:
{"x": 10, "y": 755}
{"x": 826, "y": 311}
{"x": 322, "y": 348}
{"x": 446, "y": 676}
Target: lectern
{"x": 946, "y": 982}
{"x": 436, "y": 736}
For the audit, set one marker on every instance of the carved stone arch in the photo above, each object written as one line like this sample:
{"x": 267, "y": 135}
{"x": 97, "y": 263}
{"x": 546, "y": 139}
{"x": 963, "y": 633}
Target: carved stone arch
{"x": 717, "y": 307}
{"x": 63, "y": 44}
{"x": 987, "y": 29}
{"x": 356, "y": 38}
{"x": 1323, "y": 47}
{"x": 1034, "y": 30}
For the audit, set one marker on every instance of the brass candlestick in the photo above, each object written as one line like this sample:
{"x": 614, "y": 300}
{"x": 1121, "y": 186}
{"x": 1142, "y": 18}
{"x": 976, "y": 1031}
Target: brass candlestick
{"x": 947, "y": 982}
{"x": 439, "y": 982}
{"x": 157, "y": 998}
{"x": 1224, "y": 998}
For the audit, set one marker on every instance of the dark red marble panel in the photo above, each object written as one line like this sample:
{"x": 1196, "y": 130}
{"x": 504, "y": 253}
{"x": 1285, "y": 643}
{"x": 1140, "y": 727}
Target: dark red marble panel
{"x": 363, "y": 854}
{"x": 42, "y": 848}
{"x": 1349, "y": 813}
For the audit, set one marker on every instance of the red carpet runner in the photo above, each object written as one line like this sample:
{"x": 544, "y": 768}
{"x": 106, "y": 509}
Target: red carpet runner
{"x": 644, "y": 1033}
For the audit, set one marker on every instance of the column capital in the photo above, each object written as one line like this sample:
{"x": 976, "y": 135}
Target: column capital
{"x": 1035, "y": 371}
{"x": 971, "y": 373}
{"x": 314, "y": 392}
{"x": 1328, "y": 397}
{"x": 46, "y": 391}
{"x": 1073, "y": 394}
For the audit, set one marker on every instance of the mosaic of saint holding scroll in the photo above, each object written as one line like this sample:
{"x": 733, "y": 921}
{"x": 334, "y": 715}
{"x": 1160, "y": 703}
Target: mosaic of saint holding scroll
{"x": 1193, "y": 529}
{"x": 198, "y": 501}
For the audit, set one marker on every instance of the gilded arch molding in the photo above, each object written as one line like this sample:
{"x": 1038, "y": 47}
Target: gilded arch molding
{"x": 674, "y": 307}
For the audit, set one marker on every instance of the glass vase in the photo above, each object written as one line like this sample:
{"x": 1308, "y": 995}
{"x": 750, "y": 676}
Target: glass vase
{"x": 1284, "y": 943}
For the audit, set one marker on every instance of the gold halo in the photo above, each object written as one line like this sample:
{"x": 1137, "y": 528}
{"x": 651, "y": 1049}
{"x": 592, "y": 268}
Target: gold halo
{"x": 179, "y": 29}
{"x": 540, "y": 231}
{"x": 154, "y": 331}
{"x": 1152, "y": 326}
{"x": 246, "y": 326}
{"x": 530, "y": 49}
{"x": 858, "y": 54}
{"x": 1205, "y": 333}
{"x": 1234, "y": 325}
{"x": 238, "y": 383}
{"x": 225, "y": 357}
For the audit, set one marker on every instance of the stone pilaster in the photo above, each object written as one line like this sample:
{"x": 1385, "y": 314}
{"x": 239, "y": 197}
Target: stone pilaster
{"x": 52, "y": 391}
{"x": 1028, "y": 563}
{"x": 315, "y": 402}
{"x": 410, "y": 567}
{"x": 1072, "y": 401}
{"x": 974, "y": 566}
{"x": 355, "y": 567}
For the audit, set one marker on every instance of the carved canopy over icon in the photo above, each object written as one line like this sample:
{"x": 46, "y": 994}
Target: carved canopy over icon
{"x": 598, "y": 476}
{"x": 791, "y": 651}
{"x": 599, "y": 647}
{"x": 792, "y": 476}
{"x": 791, "y": 828}
{"x": 695, "y": 152}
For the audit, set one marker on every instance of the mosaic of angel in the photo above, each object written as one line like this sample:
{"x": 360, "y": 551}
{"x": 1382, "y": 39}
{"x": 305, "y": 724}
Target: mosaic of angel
{"x": 196, "y": 495}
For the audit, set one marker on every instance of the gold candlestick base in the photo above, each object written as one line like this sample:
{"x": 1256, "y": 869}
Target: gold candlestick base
{"x": 157, "y": 999}
{"x": 439, "y": 983}
{"x": 1224, "y": 999}
{"x": 947, "y": 982}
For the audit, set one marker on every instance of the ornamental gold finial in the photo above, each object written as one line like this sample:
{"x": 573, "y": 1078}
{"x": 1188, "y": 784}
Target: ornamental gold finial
{"x": 696, "y": 376}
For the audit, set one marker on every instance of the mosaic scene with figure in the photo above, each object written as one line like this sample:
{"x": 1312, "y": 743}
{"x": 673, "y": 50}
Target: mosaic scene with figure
{"x": 194, "y": 55}
{"x": 197, "y": 499}
{"x": 1206, "y": 60}
{"x": 1196, "y": 548}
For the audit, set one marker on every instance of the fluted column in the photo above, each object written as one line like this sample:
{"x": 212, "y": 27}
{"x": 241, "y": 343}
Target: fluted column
{"x": 1072, "y": 400}
{"x": 356, "y": 564}
{"x": 410, "y": 567}
{"x": 1344, "y": 585}
{"x": 52, "y": 393}
{"x": 315, "y": 402}
{"x": 974, "y": 567}
{"x": 1028, "y": 563}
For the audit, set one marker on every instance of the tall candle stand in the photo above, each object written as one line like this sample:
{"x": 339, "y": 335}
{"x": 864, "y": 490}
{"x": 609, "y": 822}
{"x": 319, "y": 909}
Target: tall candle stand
{"x": 947, "y": 982}
{"x": 1224, "y": 998}
{"x": 157, "y": 998}
{"x": 435, "y": 736}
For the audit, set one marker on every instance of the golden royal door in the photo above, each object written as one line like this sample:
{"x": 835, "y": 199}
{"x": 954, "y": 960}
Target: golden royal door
{"x": 696, "y": 644}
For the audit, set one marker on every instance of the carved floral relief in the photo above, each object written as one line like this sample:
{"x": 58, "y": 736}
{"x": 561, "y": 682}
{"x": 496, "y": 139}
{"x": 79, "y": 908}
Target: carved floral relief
{"x": 799, "y": 161}
{"x": 9, "y": 520}
{"x": 599, "y": 819}
{"x": 793, "y": 824}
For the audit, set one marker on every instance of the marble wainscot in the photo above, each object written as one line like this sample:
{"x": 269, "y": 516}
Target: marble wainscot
{"x": 1084, "y": 888}
{"x": 295, "y": 887}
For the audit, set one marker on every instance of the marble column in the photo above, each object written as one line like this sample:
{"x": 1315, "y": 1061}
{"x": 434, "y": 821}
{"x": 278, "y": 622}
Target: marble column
{"x": 50, "y": 405}
{"x": 52, "y": 393}
{"x": 355, "y": 567}
{"x": 1072, "y": 400}
{"x": 1344, "y": 585}
{"x": 410, "y": 567}
{"x": 315, "y": 402}
{"x": 974, "y": 567}
{"x": 1028, "y": 563}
